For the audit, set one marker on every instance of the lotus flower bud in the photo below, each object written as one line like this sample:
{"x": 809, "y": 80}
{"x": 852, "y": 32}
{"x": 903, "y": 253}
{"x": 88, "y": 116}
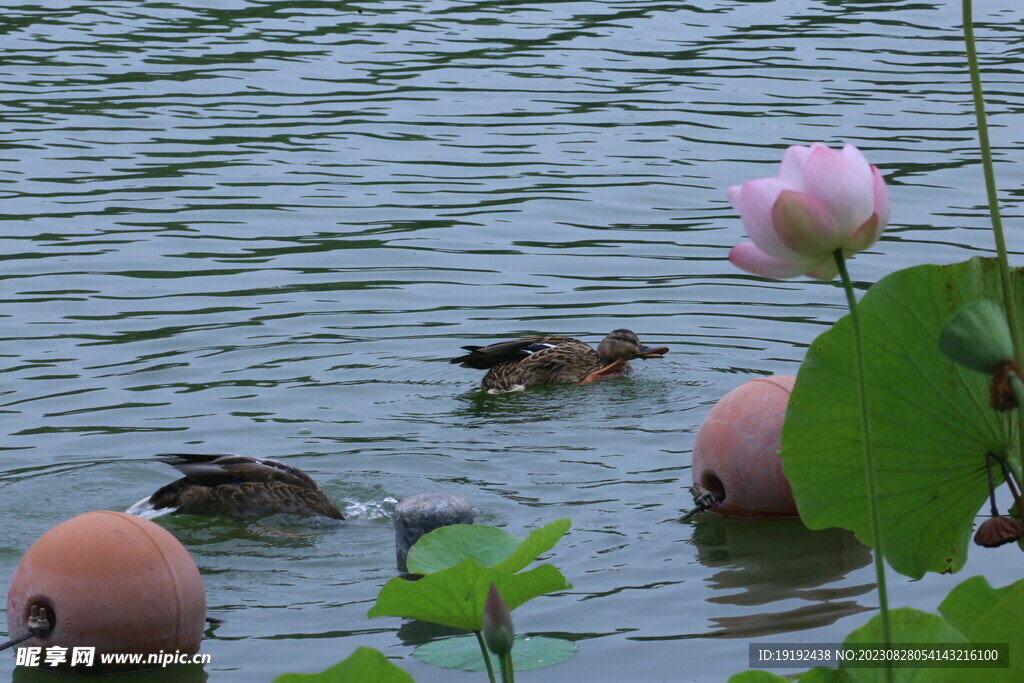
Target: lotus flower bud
{"x": 497, "y": 624}
{"x": 977, "y": 337}
{"x": 997, "y": 531}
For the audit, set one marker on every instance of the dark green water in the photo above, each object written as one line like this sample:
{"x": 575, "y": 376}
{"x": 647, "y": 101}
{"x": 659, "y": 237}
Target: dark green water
{"x": 264, "y": 227}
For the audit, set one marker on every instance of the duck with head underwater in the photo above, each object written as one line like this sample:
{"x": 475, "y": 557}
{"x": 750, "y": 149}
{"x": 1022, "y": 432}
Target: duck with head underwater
{"x": 520, "y": 363}
{"x": 236, "y": 485}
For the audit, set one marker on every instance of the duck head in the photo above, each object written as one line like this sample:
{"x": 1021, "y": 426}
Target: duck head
{"x": 625, "y": 345}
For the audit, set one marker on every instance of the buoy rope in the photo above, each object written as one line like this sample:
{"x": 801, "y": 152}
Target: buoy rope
{"x": 38, "y": 627}
{"x": 20, "y": 639}
{"x": 702, "y": 500}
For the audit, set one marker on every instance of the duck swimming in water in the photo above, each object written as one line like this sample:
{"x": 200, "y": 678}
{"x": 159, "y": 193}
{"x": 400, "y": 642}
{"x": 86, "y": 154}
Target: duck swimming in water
{"x": 517, "y": 364}
{"x": 228, "y": 484}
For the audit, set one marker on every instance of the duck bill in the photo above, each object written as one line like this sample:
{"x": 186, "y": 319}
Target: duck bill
{"x": 647, "y": 352}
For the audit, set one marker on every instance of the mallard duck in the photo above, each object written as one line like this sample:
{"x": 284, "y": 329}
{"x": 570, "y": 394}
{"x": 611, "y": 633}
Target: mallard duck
{"x": 228, "y": 484}
{"x": 517, "y": 364}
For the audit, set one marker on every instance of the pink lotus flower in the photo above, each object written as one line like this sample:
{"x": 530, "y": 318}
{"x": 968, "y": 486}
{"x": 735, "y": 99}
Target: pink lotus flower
{"x": 821, "y": 201}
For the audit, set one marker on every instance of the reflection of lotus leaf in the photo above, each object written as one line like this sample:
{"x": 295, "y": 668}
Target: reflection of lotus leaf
{"x": 931, "y": 424}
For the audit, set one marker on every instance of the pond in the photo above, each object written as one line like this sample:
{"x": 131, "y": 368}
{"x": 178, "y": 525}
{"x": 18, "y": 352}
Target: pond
{"x": 264, "y": 227}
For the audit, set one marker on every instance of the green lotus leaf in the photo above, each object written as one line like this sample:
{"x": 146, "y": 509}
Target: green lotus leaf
{"x": 973, "y": 613}
{"x": 823, "y": 675}
{"x": 757, "y": 677}
{"x": 448, "y": 545}
{"x": 970, "y": 601}
{"x": 908, "y": 626}
{"x": 365, "y": 665}
{"x": 463, "y": 653}
{"x": 990, "y": 615}
{"x": 931, "y": 424}
{"x": 455, "y": 596}
{"x": 819, "y": 675}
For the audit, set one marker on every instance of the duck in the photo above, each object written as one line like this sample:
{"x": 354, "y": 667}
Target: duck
{"x": 235, "y": 485}
{"x": 520, "y": 363}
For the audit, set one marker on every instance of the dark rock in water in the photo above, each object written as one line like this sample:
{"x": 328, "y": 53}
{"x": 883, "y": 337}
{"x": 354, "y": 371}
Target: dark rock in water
{"x": 422, "y": 513}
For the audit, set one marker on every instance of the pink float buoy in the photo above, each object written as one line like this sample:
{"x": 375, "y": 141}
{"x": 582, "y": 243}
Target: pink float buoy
{"x": 115, "y": 582}
{"x": 736, "y": 452}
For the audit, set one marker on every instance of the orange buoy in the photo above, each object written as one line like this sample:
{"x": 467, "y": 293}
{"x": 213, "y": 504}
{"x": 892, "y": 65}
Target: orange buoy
{"x": 115, "y": 582}
{"x": 736, "y": 452}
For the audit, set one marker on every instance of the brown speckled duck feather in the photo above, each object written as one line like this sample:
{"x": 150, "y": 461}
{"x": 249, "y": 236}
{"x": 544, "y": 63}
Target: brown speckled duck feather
{"x": 237, "y": 485}
{"x": 520, "y": 363}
